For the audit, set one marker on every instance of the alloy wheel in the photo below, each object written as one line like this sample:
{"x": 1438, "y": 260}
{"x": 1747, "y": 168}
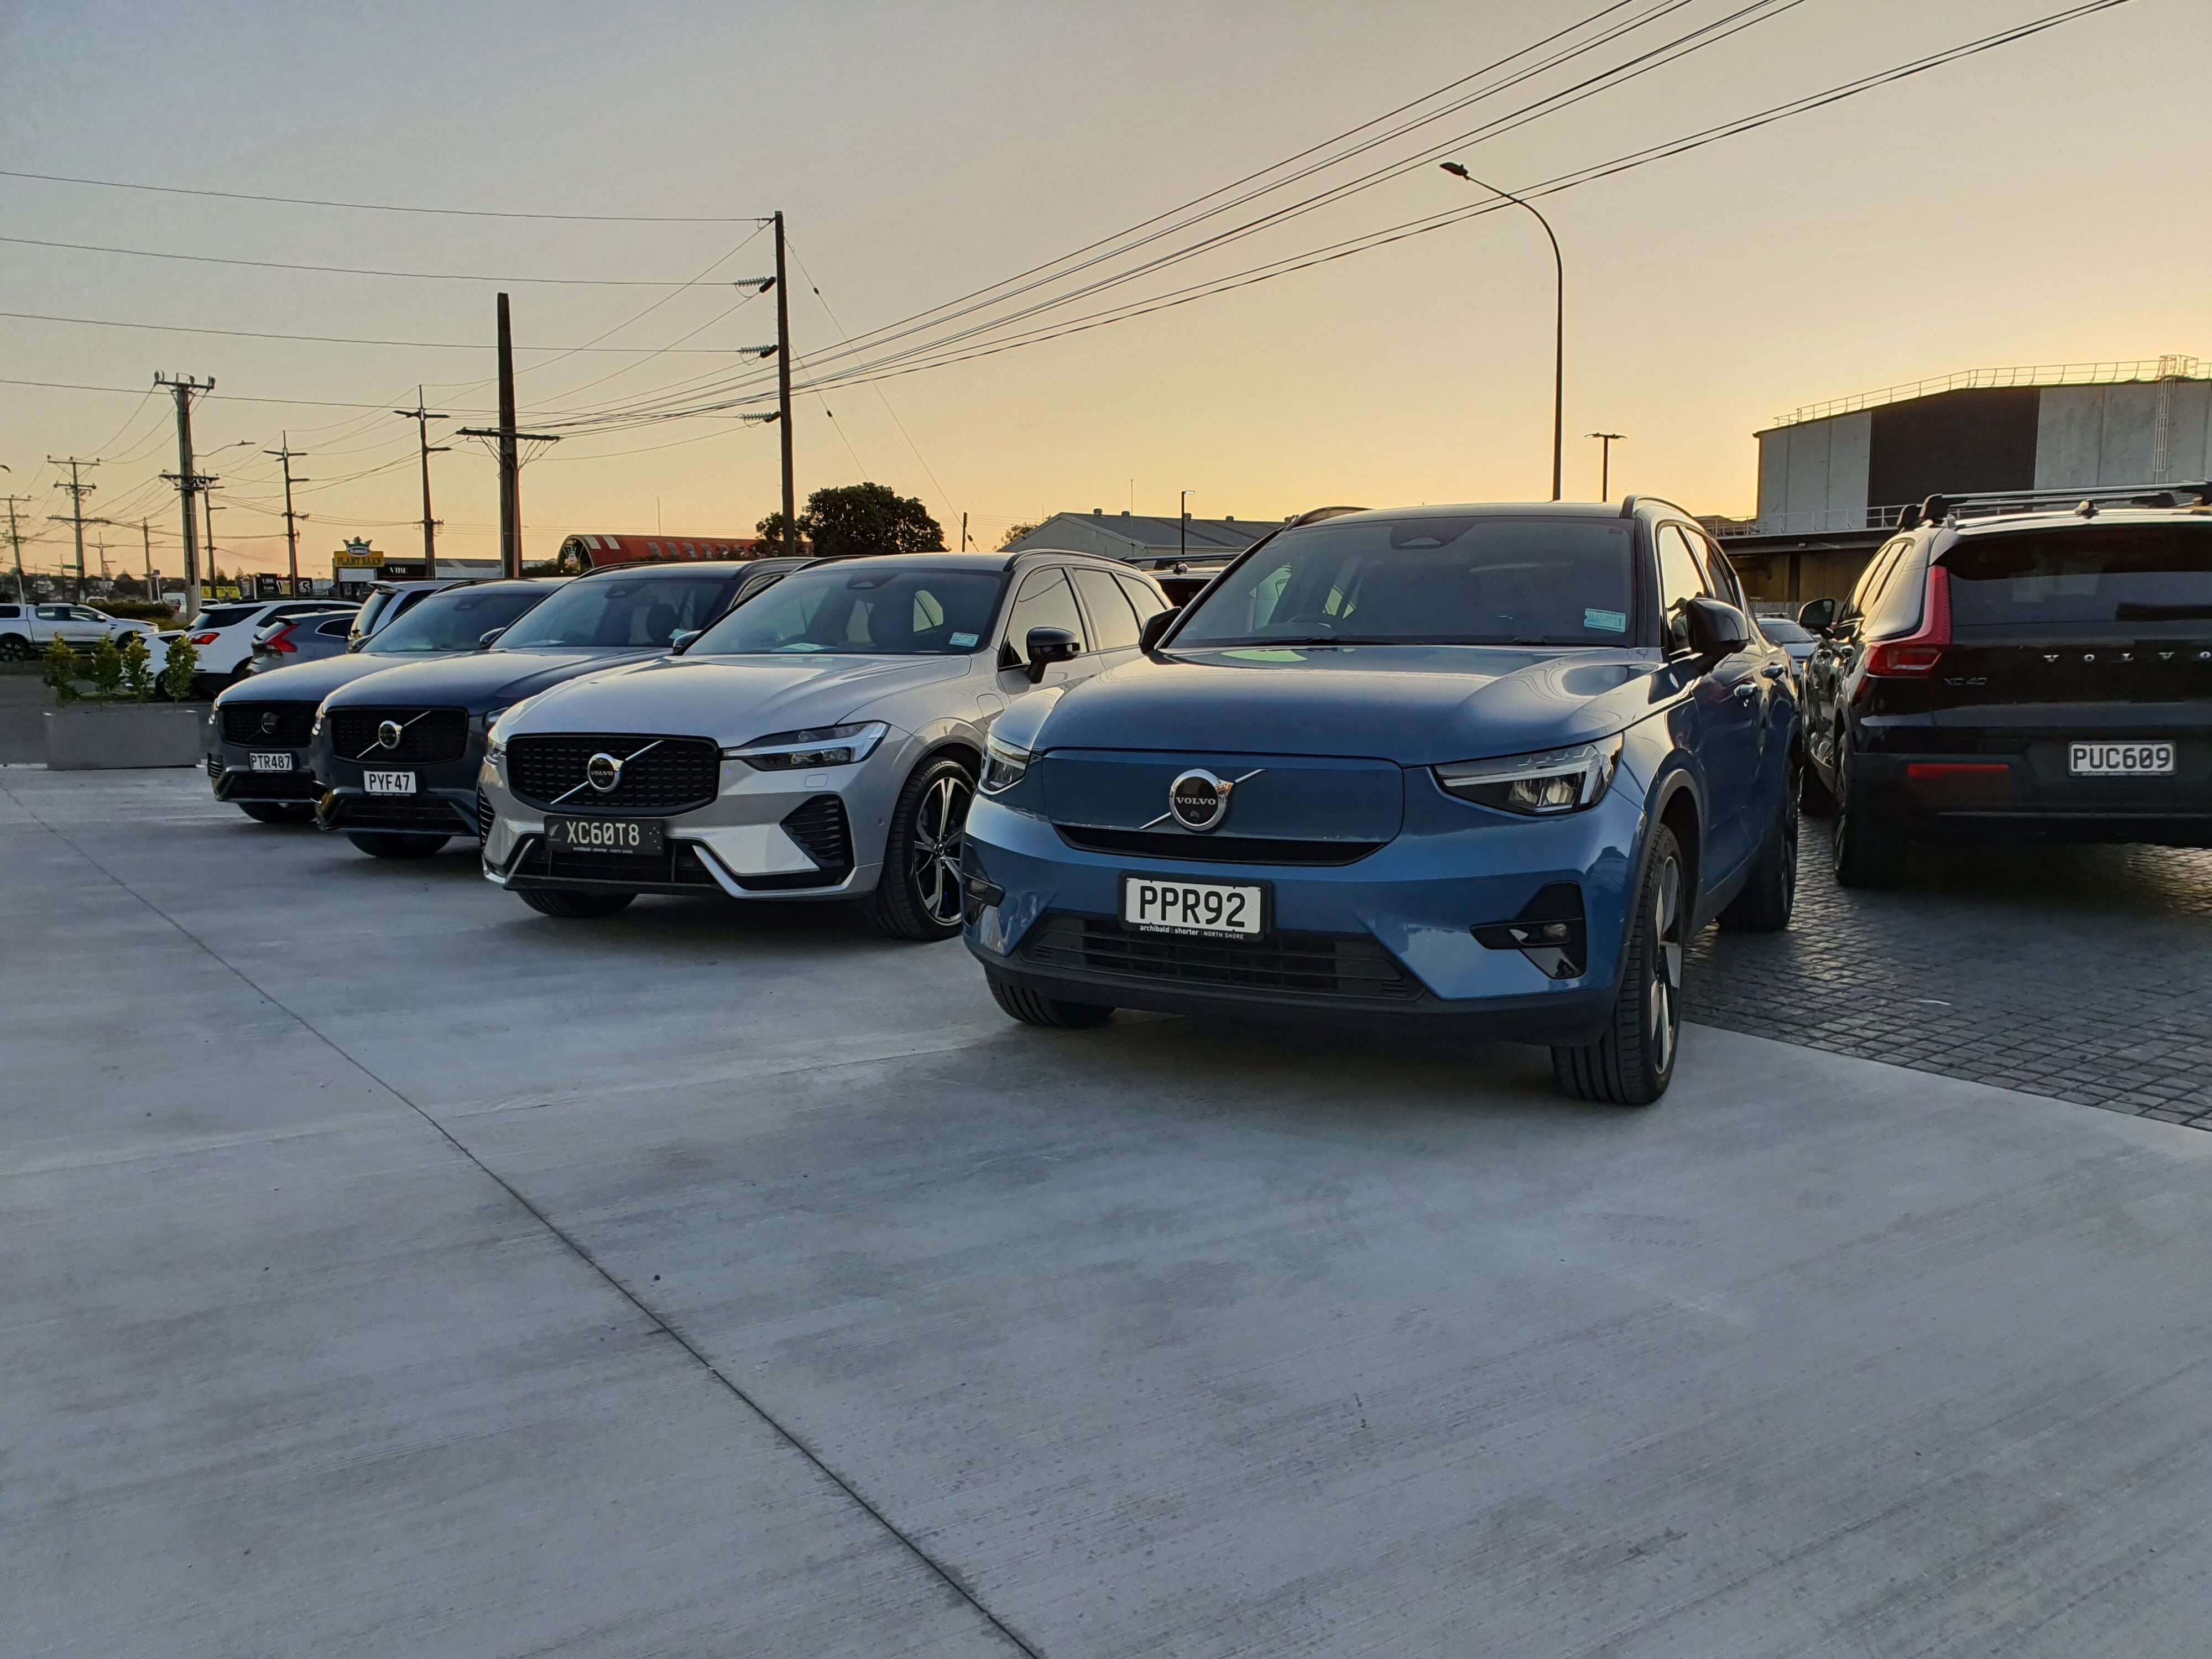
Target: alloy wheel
{"x": 1666, "y": 952}
{"x": 934, "y": 867}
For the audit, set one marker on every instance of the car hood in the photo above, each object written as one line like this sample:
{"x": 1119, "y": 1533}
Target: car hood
{"x": 734, "y": 700}
{"x": 307, "y": 682}
{"x": 481, "y": 682}
{"x": 1416, "y": 705}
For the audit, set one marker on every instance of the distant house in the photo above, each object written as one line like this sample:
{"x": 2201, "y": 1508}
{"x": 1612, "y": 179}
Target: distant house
{"x": 1139, "y": 539}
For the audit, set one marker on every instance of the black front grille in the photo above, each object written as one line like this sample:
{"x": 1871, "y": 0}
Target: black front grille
{"x": 1215, "y": 849}
{"x": 678, "y": 866}
{"x": 1351, "y": 967}
{"x": 822, "y": 833}
{"x": 485, "y": 816}
{"x": 659, "y": 774}
{"x": 426, "y": 735}
{"x": 427, "y": 812}
{"x": 250, "y": 723}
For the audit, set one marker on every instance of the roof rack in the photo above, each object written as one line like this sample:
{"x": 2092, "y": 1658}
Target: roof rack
{"x": 2002, "y": 503}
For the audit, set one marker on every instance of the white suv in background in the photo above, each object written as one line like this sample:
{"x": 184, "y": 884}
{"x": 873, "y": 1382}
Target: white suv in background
{"x": 223, "y": 635}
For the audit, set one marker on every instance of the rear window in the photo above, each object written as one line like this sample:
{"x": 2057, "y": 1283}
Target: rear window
{"x": 225, "y": 616}
{"x": 2128, "y": 576}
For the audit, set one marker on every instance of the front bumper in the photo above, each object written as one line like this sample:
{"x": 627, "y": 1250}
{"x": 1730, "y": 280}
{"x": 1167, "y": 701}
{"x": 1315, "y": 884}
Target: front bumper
{"x": 442, "y": 804}
{"x": 816, "y": 835}
{"x": 1389, "y": 940}
{"x": 231, "y": 775}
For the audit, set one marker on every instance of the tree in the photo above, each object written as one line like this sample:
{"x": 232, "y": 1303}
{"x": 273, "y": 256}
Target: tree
{"x": 182, "y": 662}
{"x": 137, "y": 668}
{"x": 60, "y": 669}
{"x": 1015, "y": 532}
{"x": 862, "y": 517}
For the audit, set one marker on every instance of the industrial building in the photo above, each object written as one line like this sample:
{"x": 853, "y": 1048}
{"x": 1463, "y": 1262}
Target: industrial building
{"x": 1833, "y": 477}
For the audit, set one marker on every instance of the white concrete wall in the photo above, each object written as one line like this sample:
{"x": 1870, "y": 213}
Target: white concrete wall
{"x": 1813, "y": 477}
{"x": 2107, "y": 437}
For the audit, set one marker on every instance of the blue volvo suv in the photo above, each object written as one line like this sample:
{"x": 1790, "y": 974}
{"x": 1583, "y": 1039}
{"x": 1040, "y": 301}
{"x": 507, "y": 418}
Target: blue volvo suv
{"x": 1490, "y": 767}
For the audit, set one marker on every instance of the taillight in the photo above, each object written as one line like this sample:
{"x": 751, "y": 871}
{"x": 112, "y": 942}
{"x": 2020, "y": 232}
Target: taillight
{"x": 1919, "y": 652}
{"x": 203, "y": 639}
{"x": 281, "y": 641}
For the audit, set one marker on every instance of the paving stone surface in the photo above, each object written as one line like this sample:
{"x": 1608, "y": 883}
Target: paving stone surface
{"x": 2083, "y": 972}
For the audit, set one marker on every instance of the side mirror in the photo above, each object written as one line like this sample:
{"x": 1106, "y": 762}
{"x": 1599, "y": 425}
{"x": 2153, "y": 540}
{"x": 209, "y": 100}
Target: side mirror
{"x": 680, "y": 640}
{"x": 1156, "y": 626}
{"x": 1047, "y": 646}
{"x": 1716, "y": 630}
{"x": 485, "y": 640}
{"x": 1817, "y": 614}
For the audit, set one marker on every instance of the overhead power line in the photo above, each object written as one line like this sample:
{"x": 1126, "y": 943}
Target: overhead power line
{"x": 390, "y": 207}
{"x": 359, "y": 340}
{"x": 351, "y": 270}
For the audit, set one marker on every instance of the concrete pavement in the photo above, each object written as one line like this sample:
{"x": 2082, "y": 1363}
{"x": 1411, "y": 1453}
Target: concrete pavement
{"x": 723, "y": 1281}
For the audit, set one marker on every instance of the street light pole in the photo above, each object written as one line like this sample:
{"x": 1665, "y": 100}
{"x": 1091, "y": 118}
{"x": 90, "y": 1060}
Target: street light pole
{"x": 1605, "y": 462}
{"x": 1182, "y": 528}
{"x": 1558, "y": 325}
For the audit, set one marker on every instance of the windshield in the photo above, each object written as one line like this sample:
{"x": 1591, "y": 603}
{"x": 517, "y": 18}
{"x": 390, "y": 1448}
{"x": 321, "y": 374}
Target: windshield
{"x": 454, "y": 620}
{"x": 869, "y": 612}
{"x": 2096, "y": 576}
{"x": 622, "y": 613}
{"x": 1781, "y": 632}
{"x": 1468, "y": 579}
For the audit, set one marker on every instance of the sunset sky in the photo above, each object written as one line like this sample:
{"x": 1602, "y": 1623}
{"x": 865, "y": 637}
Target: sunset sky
{"x": 2036, "y": 204}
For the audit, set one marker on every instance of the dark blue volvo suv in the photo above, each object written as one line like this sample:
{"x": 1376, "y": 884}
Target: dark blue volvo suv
{"x": 1487, "y": 766}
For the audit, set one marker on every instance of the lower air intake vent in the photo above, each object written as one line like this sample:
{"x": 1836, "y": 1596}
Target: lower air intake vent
{"x": 1340, "y": 966}
{"x": 821, "y": 831}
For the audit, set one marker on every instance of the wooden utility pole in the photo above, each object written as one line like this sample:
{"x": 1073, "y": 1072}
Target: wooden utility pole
{"x": 16, "y": 535}
{"x": 287, "y": 455}
{"x": 186, "y": 480}
{"x": 423, "y": 417}
{"x": 78, "y": 490}
{"x": 783, "y": 389}
{"x": 146, "y": 539}
{"x": 510, "y": 467}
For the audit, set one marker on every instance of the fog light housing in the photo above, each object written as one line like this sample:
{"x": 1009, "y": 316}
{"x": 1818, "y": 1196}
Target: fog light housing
{"x": 1550, "y": 931}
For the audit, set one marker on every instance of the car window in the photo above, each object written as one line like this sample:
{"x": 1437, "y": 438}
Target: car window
{"x": 866, "y": 609}
{"x": 85, "y": 613}
{"x": 1147, "y": 602}
{"x": 335, "y": 628}
{"x": 621, "y": 612}
{"x": 1720, "y": 575}
{"x": 225, "y": 616}
{"x": 1681, "y": 578}
{"x": 2156, "y": 579}
{"x": 10, "y": 612}
{"x": 1869, "y": 580}
{"x": 1782, "y": 631}
{"x": 53, "y": 613}
{"x": 456, "y": 619}
{"x": 1044, "y": 601}
{"x": 1112, "y": 617}
{"x": 1895, "y": 608}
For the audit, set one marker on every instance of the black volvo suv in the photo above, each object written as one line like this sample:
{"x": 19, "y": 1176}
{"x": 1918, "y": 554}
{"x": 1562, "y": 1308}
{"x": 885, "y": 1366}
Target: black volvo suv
{"x": 1999, "y": 672}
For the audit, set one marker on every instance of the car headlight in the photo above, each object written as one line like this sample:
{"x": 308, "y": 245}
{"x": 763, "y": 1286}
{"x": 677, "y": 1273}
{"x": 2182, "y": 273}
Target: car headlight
{"x": 315, "y": 729}
{"x": 827, "y": 745}
{"x": 495, "y": 752}
{"x": 1004, "y": 763}
{"x": 1537, "y": 786}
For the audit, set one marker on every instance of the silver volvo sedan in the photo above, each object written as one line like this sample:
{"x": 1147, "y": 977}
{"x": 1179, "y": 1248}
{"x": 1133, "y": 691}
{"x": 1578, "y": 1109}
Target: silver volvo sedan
{"x": 821, "y": 741}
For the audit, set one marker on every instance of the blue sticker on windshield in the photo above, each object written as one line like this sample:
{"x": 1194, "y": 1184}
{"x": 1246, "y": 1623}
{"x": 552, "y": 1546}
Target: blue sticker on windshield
{"x": 963, "y": 641}
{"x": 1607, "y": 621}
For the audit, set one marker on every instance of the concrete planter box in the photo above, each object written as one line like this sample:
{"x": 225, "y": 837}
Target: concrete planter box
{"x": 90, "y": 736}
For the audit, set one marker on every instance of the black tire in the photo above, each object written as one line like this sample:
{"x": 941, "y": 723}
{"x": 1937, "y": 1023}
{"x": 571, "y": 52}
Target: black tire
{"x": 276, "y": 812}
{"x": 1033, "y": 1008}
{"x": 386, "y": 844}
{"x": 572, "y": 904}
{"x": 918, "y": 895}
{"x": 1770, "y": 892}
{"x": 1869, "y": 852}
{"x": 1633, "y": 1063}
{"x": 14, "y": 647}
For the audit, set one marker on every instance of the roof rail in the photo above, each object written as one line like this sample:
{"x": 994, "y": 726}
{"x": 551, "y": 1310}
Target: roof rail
{"x": 1629, "y": 503}
{"x": 2001, "y": 503}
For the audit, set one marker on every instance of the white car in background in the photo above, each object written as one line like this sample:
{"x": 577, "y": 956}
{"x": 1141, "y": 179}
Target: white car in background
{"x": 223, "y": 635}
{"x": 27, "y": 629}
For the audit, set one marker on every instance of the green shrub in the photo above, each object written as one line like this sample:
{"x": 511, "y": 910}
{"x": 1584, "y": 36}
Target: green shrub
{"x": 137, "y": 668}
{"x": 61, "y": 670}
{"x": 184, "y": 662}
{"x": 107, "y": 671}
